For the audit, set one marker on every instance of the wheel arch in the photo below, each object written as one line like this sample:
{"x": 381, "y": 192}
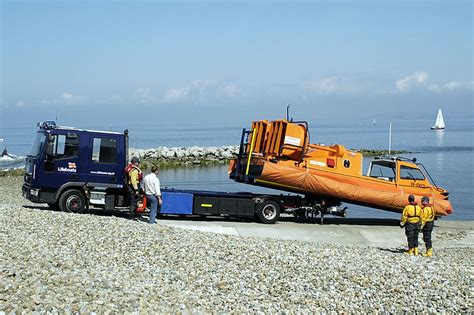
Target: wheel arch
{"x": 71, "y": 185}
{"x": 262, "y": 198}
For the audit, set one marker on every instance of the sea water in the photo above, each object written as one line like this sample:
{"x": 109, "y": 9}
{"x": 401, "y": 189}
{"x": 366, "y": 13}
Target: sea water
{"x": 448, "y": 155}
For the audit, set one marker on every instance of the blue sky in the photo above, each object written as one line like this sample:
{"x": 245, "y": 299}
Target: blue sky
{"x": 232, "y": 61}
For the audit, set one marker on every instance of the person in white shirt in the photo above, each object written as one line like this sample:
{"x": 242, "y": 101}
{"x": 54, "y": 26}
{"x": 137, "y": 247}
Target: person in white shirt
{"x": 151, "y": 185}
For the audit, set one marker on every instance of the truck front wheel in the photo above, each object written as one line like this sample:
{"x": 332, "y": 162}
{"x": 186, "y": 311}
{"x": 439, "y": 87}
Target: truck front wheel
{"x": 268, "y": 211}
{"x": 72, "y": 201}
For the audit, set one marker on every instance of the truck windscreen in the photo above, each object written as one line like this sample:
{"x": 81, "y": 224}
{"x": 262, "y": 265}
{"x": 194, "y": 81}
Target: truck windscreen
{"x": 38, "y": 144}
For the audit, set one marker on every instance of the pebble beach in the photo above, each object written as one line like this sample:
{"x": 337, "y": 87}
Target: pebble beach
{"x": 58, "y": 262}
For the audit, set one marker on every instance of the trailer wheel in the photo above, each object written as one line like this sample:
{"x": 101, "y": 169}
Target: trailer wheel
{"x": 268, "y": 211}
{"x": 72, "y": 201}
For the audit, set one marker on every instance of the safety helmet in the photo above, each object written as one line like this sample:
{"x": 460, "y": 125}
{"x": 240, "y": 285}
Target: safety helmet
{"x": 425, "y": 200}
{"x": 135, "y": 160}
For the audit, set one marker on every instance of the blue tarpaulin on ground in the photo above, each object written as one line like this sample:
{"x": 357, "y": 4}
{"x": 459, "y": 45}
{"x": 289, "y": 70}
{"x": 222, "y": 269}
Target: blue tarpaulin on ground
{"x": 177, "y": 203}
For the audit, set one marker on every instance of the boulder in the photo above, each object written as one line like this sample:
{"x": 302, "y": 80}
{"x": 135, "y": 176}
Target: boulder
{"x": 151, "y": 153}
{"x": 180, "y": 153}
{"x": 227, "y": 155}
{"x": 169, "y": 154}
{"x": 210, "y": 151}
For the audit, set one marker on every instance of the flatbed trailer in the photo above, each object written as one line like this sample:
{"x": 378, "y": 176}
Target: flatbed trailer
{"x": 265, "y": 208}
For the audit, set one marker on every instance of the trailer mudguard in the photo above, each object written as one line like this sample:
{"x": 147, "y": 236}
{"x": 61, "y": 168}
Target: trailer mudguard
{"x": 177, "y": 203}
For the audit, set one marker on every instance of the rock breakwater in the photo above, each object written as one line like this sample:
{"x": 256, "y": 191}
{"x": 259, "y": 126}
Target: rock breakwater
{"x": 175, "y": 156}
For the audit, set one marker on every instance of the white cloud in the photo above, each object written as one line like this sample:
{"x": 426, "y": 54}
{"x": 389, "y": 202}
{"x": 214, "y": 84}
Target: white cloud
{"x": 143, "y": 95}
{"x": 337, "y": 84}
{"x": 451, "y": 86}
{"x": 68, "y": 98}
{"x": 114, "y": 99}
{"x": 176, "y": 95}
{"x": 204, "y": 84}
{"x": 65, "y": 98}
{"x": 46, "y": 102}
{"x": 230, "y": 91}
{"x": 415, "y": 79}
{"x": 143, "y": 92}
{"x": 199, "y": 89}
{"x": 20, "y": 103}
{"x": 326, "y": 85}
{"x": 202, "y": 90}
{"x": 420, "y": 80}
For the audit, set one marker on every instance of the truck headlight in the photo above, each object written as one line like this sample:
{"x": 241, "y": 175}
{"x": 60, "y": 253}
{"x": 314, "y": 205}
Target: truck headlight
{"x": 34, "y": 192}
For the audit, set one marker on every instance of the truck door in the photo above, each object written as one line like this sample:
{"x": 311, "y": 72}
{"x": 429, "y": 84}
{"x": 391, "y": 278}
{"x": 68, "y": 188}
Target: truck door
{"x": 61, "y": 164}
{"x": 412, "y": 179}
{"x": 105, "y": 164}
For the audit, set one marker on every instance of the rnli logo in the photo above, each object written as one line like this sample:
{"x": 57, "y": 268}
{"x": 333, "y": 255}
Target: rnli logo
{"x": 71, "y": 168}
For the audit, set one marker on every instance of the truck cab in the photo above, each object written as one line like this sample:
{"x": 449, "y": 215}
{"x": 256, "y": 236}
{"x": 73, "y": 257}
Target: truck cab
{"x": 70, "y": 169}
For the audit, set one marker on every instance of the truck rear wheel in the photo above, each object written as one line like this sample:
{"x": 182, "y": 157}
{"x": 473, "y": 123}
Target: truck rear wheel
{"x": 72, "y": 201}
{"x": 268, "y": 211}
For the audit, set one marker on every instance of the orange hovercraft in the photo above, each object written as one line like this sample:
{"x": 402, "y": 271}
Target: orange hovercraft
{"x": 278, "y": 154}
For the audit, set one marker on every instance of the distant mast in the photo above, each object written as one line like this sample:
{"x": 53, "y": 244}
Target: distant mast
{"x": 390, "y": 138}
{"x": 439, "y": 124}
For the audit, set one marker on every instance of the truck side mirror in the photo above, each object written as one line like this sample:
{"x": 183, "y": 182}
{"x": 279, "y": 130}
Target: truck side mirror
{"x": 49, "y": 145}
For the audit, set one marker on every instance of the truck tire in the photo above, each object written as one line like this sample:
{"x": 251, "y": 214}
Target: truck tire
{"x": 73, "y": 200}
{"x": 268, "y": 211}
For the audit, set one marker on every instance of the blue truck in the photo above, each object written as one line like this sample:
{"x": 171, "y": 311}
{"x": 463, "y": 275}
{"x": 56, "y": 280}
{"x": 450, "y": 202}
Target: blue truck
{"x": 74, "y": 169}
{"x": 71, "y": 169}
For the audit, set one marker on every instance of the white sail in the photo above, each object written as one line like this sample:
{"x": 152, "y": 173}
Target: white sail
{"x": 439, "y": 124}
{"x": 374, "y": 122}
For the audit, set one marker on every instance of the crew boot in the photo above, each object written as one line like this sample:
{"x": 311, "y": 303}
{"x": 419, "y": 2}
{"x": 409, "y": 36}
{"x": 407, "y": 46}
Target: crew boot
{"x": 415, "y": 251}
{"x": 409, "y": 251}
{"x": 429, "y": 252}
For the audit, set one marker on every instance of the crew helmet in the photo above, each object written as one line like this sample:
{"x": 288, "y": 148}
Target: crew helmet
{"x": 135, "y": 160}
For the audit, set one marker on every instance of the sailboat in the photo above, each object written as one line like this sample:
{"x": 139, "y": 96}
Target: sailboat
{"x": 374, "y": 122}
{"x": 439, "y": 124}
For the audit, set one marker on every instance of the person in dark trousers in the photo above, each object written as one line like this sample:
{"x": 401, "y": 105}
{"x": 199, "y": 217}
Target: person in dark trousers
{"x": 427, "y": 225}
{"x": 134, "y": 178}
{"x": 411, "y": 221}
